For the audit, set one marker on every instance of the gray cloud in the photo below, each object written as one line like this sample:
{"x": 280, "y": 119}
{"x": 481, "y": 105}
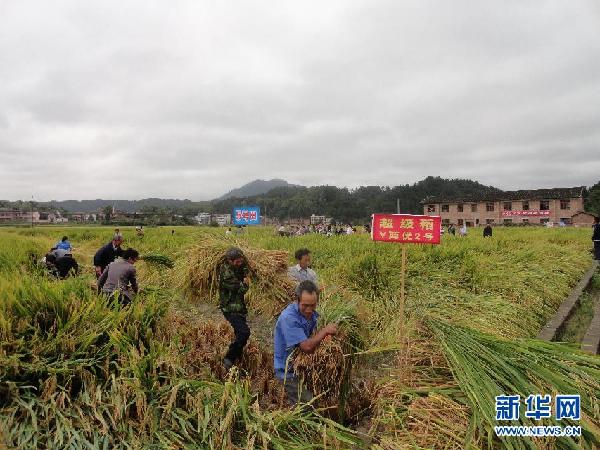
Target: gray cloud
{"x": 140, "y": 99}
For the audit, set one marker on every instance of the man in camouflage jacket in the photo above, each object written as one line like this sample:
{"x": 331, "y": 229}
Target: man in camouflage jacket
{"x": 233, "y": 285}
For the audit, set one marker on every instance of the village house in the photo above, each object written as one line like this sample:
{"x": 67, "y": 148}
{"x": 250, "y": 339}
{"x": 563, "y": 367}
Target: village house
{"x": 539, "y": 207}
{"x": 317, "y": 220}
{"x": 36, "y": 217}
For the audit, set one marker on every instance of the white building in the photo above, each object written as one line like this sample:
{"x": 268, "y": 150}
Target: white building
{"x": 221, "y": 219}
{"x": 203, "y": 218}
{"x": 317, "y": 220}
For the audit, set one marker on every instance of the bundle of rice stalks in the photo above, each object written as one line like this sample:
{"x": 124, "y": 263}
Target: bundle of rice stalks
{"x": 203, "y": 345}
{"x": 486, "y": 366}
{"x": 158, "y": 260}
{"x": 270, "y": 288}
{"x": 323, "y": 370}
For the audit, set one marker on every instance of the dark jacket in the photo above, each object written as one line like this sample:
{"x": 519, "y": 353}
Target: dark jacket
{"x": 106, "y": 255}
{"x": 66, "y": 264}
{"x": 232, "y": 289}
{"x": 596, "y": 233}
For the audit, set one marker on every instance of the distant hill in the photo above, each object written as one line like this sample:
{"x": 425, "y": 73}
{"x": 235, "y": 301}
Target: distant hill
{"x": 353, "y": 205}
{"x": 283, "y": 200}
{"x": 256, "y": 187}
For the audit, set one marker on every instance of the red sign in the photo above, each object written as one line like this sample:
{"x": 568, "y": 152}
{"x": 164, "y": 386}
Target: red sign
{"x": 406, "y": 228}
{"x": 532, "y": 212}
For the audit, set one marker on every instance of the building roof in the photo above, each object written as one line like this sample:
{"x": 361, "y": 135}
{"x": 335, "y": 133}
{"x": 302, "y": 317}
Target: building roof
{"x": 535, "y": 194}
{"x": 584, "y": 213}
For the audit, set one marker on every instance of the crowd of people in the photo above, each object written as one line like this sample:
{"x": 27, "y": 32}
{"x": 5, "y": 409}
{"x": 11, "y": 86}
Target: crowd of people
{"x": 296, "y": 327}
{"x": 323, "y": 229}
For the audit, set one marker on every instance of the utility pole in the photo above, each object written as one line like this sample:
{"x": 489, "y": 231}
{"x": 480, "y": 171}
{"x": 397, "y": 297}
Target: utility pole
{"x": 32, "y": 211}
{"x": 398, "y": 206}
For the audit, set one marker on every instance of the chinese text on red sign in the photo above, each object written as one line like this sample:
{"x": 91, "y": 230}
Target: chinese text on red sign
{"x": 405, "y": 228}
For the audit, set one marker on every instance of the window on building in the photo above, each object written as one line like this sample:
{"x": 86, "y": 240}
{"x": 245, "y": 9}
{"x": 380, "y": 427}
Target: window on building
{"x": 546, "y": 220}
{"x": 489, "y": 221}
{"x": 489, "y": 206}
{"x": 544, "y": 205}
{"x": 565, "y": 204}
{"x": 507, "y": 221}
{"x": 430, "y": 208}
{"x": 507, "y": 206}
{"x": 445, "y": 208}
{"x": 474, "y": 207}
{"x": 476, "y": 221}
{"x": 525, "y": 206}
{"x": 566, "y": 220}
{"x": 460, "y": 207}
{"x": 445, "y": 221}
{"x": 460, "y": 222}
{"x": 525, "y": 221}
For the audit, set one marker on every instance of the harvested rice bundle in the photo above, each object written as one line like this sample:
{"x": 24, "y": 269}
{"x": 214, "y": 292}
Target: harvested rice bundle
{"x": 323, "y": 370}
{"x": 270, "y": 288}
{"x": 203, "y": 345}
{"x": 485, "y": 366}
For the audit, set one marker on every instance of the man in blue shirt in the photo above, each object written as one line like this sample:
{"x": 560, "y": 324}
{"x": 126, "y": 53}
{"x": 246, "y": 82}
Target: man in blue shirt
{"x": 295, "y": 328}
{"x": 64, "y": 244}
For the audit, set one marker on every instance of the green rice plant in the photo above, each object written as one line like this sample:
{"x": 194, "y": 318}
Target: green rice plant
{"x": 158, "y": 259}
{"x": 486, "y": 366}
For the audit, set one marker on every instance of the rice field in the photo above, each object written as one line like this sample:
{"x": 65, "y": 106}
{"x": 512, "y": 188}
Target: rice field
{"x": 78, "y": 373}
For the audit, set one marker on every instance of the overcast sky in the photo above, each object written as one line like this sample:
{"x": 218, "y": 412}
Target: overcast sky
{"x": 189, "y": 99}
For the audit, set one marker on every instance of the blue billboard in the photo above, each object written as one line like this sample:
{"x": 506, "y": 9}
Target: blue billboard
{"x": 246, "y": 215}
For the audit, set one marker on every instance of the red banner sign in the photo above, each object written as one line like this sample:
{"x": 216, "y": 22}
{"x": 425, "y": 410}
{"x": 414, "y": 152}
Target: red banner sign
{"x": 406, "y": 228}
{"x": 532, "y": 212}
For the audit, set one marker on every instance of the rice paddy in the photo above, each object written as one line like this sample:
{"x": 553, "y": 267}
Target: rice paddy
{"x": 77, "y": 372}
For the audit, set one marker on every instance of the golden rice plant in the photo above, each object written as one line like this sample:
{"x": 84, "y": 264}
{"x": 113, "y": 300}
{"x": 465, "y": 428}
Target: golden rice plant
{"x": 270, "y": 288}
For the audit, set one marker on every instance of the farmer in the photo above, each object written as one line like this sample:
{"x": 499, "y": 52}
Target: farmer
{"x": 66, "y": 265}
{"x": 302, "y": 271}
{"x": 487, "y": 231}
{"x": 233, "y": 285}
{"x": 64, "y": 244}
{"x": 295, "y": 328}
{"x": 596, "y": 237}
{"x": 120, "y": 277}
{"x": 48, "y": 262}
{"x": 58, "y": 252}
{"x": 107, "y": 254}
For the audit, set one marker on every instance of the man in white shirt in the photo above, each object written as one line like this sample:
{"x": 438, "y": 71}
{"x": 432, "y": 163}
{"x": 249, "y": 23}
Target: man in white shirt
{"x": 302, "y": 271}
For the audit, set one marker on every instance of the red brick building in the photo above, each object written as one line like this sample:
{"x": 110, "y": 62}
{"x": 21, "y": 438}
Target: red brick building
{"x": 538, "y": 206}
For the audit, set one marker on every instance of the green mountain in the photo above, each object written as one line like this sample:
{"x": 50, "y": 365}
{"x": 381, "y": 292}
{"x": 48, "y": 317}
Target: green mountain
{"x": 352, "y": 205}
{"x": 256, "y": 187}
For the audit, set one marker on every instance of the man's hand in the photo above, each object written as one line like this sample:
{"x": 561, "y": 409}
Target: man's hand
{"x": 330, "y": 329}
{"x": 309, "y": 345}
{"x": 246, "y": 281}
{"x": 98, "y": 270}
